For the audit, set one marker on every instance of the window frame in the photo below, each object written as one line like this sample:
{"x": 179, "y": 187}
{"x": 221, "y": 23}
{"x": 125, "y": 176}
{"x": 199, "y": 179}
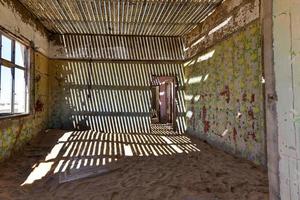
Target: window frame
{"x": 13, "y": 66}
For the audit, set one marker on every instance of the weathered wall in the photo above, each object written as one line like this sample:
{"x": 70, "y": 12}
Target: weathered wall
{"x": 225, "y": 20}
{"x": 107, "y": 96}
{"x": 224, "y": 95}
{"x": 92, "y": 88}
{"x": 17, "y": 131}
{"x": 15, "y": 18}
{"x": 286, "y": 33}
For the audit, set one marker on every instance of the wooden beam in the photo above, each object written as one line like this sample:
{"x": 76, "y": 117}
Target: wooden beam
{"x": 270, "y": 100}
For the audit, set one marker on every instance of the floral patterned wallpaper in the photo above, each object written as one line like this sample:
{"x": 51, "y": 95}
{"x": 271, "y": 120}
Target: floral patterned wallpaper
{"x": 224, "y": 95}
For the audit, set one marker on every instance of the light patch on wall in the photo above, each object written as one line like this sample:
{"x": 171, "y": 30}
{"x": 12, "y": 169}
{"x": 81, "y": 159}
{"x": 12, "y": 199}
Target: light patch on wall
{"x": 195, "y": 80}
{"x": 206, "y": 77}
{"x": 189, "y": 63}
{"x": 196, "y": 98}
{"x": 209, "y": 14}
{"x": 263, "y": 80}
{"x": 189, "y": 114}
{"x": 206, "y": 56}
{"x": 185, "y": 80}
{"x": 225, "y": 133}
{"x": 198, "y": 41}
{"x": 238, "y": 115}
{"x": 188, "y": 97}
{"x": 220, "y": 26}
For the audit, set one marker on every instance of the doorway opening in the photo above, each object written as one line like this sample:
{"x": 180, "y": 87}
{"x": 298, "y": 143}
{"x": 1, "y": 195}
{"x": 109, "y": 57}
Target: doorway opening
{"x": 163, "y": 109}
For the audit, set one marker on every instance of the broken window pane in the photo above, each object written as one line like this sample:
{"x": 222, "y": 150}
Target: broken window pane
{"x": 5, "y": 90}
{"x": 19, "y": 54}
{"x": 6, "y": 48}
{"x": 20, "y": 91}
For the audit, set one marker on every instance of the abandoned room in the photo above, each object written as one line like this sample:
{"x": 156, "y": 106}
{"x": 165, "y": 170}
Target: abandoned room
{"x": 150, "y": 99}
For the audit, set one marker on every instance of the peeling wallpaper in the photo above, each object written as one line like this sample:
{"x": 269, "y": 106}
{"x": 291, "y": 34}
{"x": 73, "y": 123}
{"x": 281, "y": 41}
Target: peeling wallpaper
{"x": 15, "y": 132}
{"x": 16, "y": 19}
{"x": 224, "y": 95}
{"x": 228, "y": 18}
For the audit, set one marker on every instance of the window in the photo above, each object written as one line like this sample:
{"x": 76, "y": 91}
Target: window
{"x": 13, "y": 77}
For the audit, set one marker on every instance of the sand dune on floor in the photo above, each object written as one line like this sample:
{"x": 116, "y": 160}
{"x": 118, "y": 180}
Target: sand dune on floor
{"x": 207, "y": 174}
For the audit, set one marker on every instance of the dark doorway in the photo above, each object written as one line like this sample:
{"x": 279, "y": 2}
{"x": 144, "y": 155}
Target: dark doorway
{"x": 163, "y": 100}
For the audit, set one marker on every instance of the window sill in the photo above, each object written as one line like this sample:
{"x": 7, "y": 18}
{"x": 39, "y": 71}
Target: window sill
{"x": 7, "y": 117}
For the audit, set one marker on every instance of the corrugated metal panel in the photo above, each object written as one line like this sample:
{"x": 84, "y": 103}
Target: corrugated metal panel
{"x": 119, "y": 47}
{"x": 121, "y": 17}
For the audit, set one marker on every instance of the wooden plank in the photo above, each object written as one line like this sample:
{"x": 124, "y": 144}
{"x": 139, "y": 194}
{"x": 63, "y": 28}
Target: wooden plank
{"x": 293, "y": 179}
{"x": 286, "y": 48}
{"x": 284, "y": 86}
{"x": 285, "y": 192}
{"x": 270, "y": 101}
{"x": 295, "y": 24}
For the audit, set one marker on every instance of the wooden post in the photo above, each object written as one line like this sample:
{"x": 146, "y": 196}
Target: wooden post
{"x": 270, "y": 100}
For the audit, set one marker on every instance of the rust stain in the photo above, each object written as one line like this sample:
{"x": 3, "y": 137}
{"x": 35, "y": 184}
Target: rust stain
{"x": 204, "y": 112}
{"x": 204, "y": 121}
{"x": 206, "y": 126}
{"x": 235, "y": 105}
{"x": 234, "y": 134}
{"x": 39, "y": 106}
{"x": 252, "y": 135}
{"x": 226, "y": 93}
{"x": 252, "y": 98}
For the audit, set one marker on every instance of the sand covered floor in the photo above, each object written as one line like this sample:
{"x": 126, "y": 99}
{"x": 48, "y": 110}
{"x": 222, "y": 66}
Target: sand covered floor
{"x": 160, "y": 165}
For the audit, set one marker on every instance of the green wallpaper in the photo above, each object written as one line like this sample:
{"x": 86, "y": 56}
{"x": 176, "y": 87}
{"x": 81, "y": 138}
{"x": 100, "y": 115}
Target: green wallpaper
{"x": 224, "y": 95}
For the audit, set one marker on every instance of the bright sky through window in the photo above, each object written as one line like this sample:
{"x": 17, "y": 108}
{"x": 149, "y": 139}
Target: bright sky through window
{"x": 13, "y": 84}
